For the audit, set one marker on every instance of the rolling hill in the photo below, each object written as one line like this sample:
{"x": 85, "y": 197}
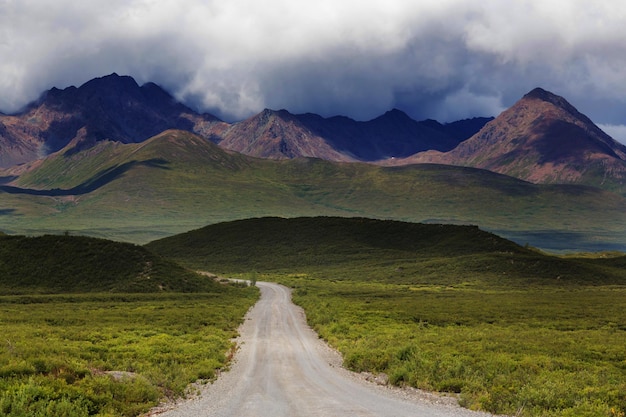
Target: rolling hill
{"x": 358, "y": 249}
{"x": 177, "y": 181}
{"x": 273, "y": 243}
{"x": 75, "y": 264}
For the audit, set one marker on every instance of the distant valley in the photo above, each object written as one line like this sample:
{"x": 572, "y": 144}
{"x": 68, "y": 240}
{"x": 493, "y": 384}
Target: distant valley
{"x": 117, "y": 160}
{"x": 178, "y": 181}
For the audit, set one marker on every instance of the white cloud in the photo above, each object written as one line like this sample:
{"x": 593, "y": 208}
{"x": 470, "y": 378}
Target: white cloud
{"x": 440, "y": 59}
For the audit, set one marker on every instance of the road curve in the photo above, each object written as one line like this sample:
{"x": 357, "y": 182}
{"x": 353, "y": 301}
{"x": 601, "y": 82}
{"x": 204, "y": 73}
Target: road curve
{"x": 283, "y": 369}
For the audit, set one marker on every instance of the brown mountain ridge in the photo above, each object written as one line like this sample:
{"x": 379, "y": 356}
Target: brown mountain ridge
{"x": 116, "y": 108}
{"x": 108, "y": 108}
{"x": 542, "y": 139}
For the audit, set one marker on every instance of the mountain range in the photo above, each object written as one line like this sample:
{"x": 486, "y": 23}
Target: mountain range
{"x": 542, "y": 138}
{"x": 116, "y": 108}
{"x": 117, "y": 160}
{"x": 109, "y": 108}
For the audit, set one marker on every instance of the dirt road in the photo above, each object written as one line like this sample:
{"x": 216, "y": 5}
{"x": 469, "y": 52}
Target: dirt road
{"x": 283, "y": 369}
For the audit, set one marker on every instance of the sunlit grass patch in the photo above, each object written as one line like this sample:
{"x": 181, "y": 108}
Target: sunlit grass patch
{"x": 103, "y": 354}
{"x": 538, "y": 352}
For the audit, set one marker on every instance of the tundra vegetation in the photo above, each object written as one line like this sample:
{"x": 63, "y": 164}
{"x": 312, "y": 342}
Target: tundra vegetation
{"x": 452, "y": 309}
{"x": 176, "y": 182}
{"x": 98, "y": 328}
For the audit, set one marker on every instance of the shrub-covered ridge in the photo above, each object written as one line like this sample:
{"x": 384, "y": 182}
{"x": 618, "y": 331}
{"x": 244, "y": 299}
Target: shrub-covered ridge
{"x": 76, "y": 264}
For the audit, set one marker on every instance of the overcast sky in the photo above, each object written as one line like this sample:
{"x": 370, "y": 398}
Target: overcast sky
{"x": 440, "y": 59}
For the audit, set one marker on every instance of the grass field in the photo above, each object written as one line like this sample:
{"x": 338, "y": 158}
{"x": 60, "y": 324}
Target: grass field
{"x": 92, "y": 327}
{"x": 177, "y": 182}
{"x": 527, "y": 352}
{"x": 446, "y": 308}
{"x": 60, "y": 353}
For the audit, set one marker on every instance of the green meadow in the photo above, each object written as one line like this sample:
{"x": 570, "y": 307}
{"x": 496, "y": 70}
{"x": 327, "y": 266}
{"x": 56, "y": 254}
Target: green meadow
{"x": 452, "y": 309}
{"x": 527, "y": 352}
{"x": 177, "y": 182}
{"x": 99, "y": 328}
{"x": 111, "y": 355}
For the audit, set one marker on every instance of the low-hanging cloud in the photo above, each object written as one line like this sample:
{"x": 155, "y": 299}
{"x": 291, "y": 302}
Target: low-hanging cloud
{"x": 442, "y": 59}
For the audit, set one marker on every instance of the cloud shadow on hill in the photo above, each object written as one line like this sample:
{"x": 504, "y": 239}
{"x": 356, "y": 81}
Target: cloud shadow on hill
{"x": 97, "y": 181}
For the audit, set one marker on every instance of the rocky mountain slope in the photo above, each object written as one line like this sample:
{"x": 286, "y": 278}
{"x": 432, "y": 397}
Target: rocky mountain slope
{"x": 282, "y": 135}
{"x": 108, "y": 108}
{"x": 542, "y": 139}
{"x": 116, "y": 108}
{"x": 279, "y": 135}
{"x": 394, "y": 134}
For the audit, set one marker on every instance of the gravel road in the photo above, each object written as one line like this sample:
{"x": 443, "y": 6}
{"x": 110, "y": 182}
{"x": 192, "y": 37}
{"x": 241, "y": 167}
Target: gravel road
{"x": 283, "y": 369}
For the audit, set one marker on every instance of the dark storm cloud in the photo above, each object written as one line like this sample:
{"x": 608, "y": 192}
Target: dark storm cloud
{"x": 445, "y": 59}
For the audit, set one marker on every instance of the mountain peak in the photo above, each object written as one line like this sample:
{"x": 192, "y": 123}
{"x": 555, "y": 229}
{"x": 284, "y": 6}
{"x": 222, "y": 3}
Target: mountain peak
{"x": 539, "y": 93}
{"x": 281, "y": 112}
{"x": 543, "y": 139}
{"x": 268, "y": 114}
{"x": 395, "y": 115}
{"x": 397, "y": 112}
{"x": 558, "y": 101}
{"x": 110, "y": 83}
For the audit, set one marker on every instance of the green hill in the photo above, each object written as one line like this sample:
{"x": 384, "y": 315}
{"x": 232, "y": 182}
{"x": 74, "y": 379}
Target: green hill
{"x": 74, "y": 264}
{"x": 279, "y": 243}
{"x": 177, "y": 182}
{"x": 376, "y": 250}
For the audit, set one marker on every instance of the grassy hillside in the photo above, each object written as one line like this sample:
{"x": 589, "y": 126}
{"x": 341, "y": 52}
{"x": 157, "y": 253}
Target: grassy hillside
{"x": 376, "y": 250}
{"x": 274, "y": 243}
{"x": 444, "y": 308}
{"x": 177, "y": 182}
{"x": 96, "y": 327}
{"x": 74, "y": 264}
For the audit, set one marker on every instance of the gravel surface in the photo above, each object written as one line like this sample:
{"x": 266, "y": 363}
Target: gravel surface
{"x": 282, "y": 368}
